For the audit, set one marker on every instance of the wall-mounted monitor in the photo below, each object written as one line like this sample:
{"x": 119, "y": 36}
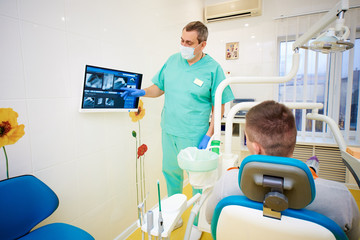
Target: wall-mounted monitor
{"x": 103, "y": 87}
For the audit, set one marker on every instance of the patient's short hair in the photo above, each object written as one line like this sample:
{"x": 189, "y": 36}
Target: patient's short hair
{"x": 272, "y": 125}
{"x": 200, "y": 28}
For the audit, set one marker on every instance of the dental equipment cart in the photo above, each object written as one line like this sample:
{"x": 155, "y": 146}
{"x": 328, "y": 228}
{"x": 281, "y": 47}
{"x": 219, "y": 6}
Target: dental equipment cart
{"x": 203, "y": 171}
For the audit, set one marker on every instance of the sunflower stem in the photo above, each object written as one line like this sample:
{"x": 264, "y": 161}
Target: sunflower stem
{"x": 141, "y": 169}
{"x": 7, "y": 163}
{"x": 144, "y": 183}
{"x": 139, "y": 134}
{"x": 137, "y": 184}
{"x": 141, "y": 185}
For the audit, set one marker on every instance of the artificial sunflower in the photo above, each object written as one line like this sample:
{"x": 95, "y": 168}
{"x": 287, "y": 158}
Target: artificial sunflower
{"x": 10, "y": 131}
{"x": 140, "y": 156}
{"x": 136, "y": 116}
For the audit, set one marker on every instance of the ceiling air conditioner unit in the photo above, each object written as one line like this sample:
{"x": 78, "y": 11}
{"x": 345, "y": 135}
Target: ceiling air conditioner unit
{"x": 232, "y": 9}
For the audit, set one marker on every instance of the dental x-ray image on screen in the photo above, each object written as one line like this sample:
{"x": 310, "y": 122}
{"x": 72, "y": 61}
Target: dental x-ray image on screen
{"x": 102, "y": 90}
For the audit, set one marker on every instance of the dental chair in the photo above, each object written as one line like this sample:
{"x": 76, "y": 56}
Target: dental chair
{"x": 276, "y": 189}
{"x": 26, "y": 201}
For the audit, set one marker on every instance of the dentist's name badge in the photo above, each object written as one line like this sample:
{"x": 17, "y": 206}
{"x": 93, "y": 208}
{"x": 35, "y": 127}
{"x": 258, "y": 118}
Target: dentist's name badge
{"x": 198, "y": 82}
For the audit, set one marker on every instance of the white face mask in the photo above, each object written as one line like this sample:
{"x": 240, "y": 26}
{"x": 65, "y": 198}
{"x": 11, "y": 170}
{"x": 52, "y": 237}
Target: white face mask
{"x": 187, "y": 52}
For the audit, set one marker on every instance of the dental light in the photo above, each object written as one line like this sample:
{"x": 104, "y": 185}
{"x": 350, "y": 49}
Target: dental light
{"x": 339, "y": 34}
{"x": 332, "y": 40}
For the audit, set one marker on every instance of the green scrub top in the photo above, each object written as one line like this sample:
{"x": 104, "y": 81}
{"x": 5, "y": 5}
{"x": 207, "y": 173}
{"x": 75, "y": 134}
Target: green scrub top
{"x": 189, "y": 94}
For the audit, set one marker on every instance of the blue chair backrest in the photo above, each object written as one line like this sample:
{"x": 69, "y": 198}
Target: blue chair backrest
{"x": 300, "y": 186}
{"x": 25, "y": 201}
{"x": 300, "y": 190}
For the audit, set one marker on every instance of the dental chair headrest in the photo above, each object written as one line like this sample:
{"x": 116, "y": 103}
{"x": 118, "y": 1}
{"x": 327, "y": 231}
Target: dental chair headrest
{"x": 279, "y": 182}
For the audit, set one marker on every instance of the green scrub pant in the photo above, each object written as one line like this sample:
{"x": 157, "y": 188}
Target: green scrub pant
{"x": 174, "y": 175}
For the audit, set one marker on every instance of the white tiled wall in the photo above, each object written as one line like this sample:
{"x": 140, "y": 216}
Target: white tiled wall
{"x": 88, "y": 159}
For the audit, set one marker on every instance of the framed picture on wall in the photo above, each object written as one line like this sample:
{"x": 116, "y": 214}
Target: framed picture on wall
{"x": 232, "y": 50}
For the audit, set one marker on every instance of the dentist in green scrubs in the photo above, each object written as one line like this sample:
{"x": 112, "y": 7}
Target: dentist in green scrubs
{"x": 189, "y": 80}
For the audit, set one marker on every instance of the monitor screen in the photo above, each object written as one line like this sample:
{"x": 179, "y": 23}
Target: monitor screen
{"x": 103, "y": 87}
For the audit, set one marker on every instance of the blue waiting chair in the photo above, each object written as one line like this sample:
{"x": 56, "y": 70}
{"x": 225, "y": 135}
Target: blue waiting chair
{"x": 276, "y": 190}
{"x": 25, "y": 201}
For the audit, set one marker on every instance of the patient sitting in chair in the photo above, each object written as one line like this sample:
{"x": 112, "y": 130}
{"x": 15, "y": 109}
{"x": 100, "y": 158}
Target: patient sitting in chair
{"x": 270, "y": 130}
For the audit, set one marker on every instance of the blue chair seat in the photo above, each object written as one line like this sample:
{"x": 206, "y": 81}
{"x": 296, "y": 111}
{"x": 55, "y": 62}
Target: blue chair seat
{"x": 25, "y": 202}
{"x": 58, "y": 231}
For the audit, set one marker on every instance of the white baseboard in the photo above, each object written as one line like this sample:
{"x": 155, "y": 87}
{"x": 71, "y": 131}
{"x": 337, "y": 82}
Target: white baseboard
{"x": 125, "y": 234}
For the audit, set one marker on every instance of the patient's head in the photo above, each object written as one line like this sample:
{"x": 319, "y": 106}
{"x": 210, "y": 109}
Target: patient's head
{"x": 270, "y": 129}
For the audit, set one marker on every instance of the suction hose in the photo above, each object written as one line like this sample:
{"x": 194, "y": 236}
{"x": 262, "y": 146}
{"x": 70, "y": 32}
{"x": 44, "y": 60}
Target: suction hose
{"x": 189, "y": 225}
{"x": 195, "y": 210}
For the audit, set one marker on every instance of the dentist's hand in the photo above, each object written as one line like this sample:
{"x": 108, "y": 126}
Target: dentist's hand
{"x": 133, "y": 92}
{"x": 204, "y": 142}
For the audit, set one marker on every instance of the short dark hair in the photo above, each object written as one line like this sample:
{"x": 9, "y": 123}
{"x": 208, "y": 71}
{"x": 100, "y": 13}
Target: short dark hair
{"x": 272, "y": 125}
{"x": 200, "y": 28}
